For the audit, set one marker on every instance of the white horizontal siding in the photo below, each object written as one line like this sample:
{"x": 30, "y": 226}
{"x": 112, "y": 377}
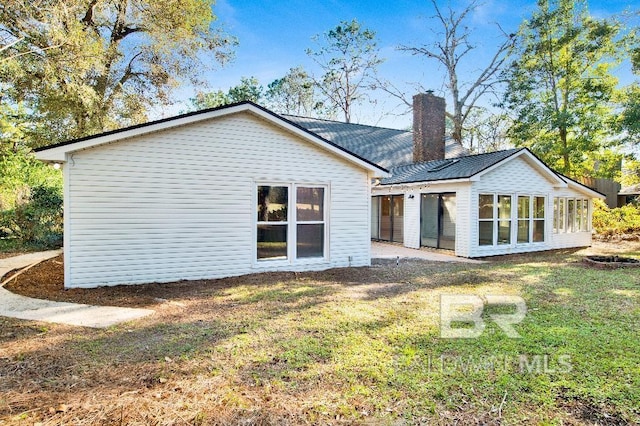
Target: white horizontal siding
{"x": 412, "y": 219}
{"x": 178, "y": 204}
{"x": 518, "y": 177}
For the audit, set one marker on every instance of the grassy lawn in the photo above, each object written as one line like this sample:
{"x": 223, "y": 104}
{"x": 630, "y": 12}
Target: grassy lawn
{"x": 345, "y": 346}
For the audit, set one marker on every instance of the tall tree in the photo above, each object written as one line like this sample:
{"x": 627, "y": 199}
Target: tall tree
{"x": 451, "y": 50}
{"x": 294, "y": 93}
{"x": 561, "y": 86}
{"x": 486, "y": 131}
{"x": 348, "y": 58}
{"x": 630, "y": 117}
{"x": 84, "y": 66}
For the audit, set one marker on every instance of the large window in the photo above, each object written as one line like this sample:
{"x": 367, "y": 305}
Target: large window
{"x": 531, "y": 215}
{"x": 571, "y": 215}
{"x": 290, "y": 216}
{"x": 524, "y": 215}
{"x": 538, "y": 219}
{"x": 575, "y": 216}
{"x": 310, "y": 222}
{"x": 559, "y": 215}
{"x": 504, "y": 219}
{"x": 499, "y": 224}
{"x": 494, "y": 219}
{"x": 273, "y": 221}
{"x": 485, "y": 220}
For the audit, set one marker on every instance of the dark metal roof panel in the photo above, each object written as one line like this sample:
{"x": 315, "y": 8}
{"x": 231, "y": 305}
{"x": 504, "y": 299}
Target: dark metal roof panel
{"x": 464, "y": 167}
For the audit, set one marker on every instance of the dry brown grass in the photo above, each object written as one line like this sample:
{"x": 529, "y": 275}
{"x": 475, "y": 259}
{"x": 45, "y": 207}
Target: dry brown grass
{"x": 277, "y": 348}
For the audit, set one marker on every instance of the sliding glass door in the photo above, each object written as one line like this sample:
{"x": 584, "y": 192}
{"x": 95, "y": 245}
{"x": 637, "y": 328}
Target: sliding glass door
{"x": 387, "y": 218}
{"x": 438, "y": 220}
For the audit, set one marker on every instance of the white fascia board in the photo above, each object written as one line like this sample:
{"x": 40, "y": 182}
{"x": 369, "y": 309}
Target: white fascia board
{"x": 58, "y": 154}
{"x": 584, "y": 189}
{"x": 542, "y": 168}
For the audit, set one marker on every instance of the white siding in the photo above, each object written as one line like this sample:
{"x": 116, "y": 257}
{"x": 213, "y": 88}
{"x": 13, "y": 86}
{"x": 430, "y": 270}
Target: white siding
{"x": 412, "y": 219}
{"x": 518, "y": 177}
{"x": 412, "y": 210}
{"x": 179, "y": 204}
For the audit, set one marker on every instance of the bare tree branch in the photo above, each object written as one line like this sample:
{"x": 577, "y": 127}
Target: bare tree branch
{"x": 450, "y": 51}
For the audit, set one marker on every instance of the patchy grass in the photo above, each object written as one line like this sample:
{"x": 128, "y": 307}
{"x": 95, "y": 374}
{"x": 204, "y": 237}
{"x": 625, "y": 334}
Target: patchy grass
{"x": 343, "y": 346}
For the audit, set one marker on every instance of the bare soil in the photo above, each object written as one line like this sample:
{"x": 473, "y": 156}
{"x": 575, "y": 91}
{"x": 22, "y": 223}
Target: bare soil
{"x": 46, "y": 280}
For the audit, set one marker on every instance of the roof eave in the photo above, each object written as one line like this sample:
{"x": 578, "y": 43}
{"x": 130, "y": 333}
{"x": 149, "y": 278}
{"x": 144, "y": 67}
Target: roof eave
{"x": 583, "y": 188}
{"x": 424, "y": 182}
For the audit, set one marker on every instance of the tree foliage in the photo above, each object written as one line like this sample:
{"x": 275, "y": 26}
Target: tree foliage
{"x": 294, "y": 93}
{"x": 85, "y": 66}
{"x": 560, "y": 86}
{"x": 37, "y": 220}
{"x": 486, "y": 131}
{"x": 630, "y": 117}
{"x": 348, "y": 58}
{"x": 249, "y": 89}
{"x": 451, "y": 50}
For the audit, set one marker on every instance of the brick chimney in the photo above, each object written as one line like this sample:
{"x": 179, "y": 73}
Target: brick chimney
{"x": 428, "y": 127}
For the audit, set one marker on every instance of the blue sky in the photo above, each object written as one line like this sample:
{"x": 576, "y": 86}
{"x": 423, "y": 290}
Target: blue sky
{"x": 273, "y": 36}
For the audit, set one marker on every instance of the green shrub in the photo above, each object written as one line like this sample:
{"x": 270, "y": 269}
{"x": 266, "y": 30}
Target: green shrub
{"x": 621, "y": 220}
{"x": 37, "y": 221}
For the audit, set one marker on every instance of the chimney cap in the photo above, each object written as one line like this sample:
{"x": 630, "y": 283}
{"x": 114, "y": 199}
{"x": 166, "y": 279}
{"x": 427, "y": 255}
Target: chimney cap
{"x": 429, "y": 92}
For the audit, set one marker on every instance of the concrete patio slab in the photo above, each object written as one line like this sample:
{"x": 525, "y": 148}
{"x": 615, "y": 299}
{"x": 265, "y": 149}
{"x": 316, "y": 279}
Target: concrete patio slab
{"x": 393, "y": 251}
{"x": 27, "y": 308}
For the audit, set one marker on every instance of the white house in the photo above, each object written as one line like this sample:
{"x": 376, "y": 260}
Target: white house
{"x": 437, "y": 195}
{"x": 483, "y": 205}
{"x": 217, "y": 193}
{"x": 239, "y": 189}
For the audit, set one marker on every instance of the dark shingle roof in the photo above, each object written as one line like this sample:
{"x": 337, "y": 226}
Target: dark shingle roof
{"x": 458, "y": 168}
{"x": 630, "y": 190}
{"x": 385, "y": 147}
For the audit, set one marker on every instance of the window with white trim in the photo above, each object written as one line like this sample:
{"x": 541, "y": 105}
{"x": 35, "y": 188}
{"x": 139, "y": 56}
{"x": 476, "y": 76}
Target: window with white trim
{"x": 494, "y": 219}
{"x": 559, "y": 215}
{"x": 273, "y": 222}
{"x": 571, "y": 215}
{"x": 575, "y": 218}
{"x": 539, "y": 216}
{"x": 524, "y": 219}
{"x": 531, "y": 216}
{"x": 310, "y": 221}
{"x": 291, "y": 222}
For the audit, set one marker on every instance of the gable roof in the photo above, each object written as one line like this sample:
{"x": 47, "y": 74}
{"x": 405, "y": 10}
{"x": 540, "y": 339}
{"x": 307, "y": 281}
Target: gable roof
{"x": 57, "y": 152}
{"x": 386, "y": 147}
{"x": 630, "y": 190}
{"x": 447, "y": 169}
{"x": 472, "y": 167}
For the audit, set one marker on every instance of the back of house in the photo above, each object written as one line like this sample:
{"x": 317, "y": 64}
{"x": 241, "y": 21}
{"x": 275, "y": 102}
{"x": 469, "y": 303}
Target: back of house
{"x": 222, "y": 192}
